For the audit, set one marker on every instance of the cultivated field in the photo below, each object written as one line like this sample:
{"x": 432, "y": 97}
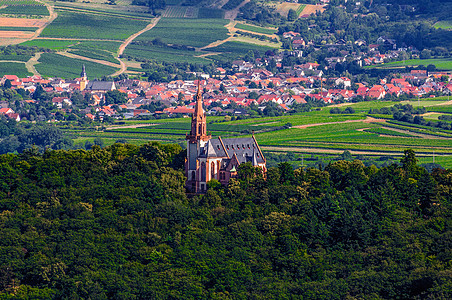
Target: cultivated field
{"x": 312, "y": 9}
{"x": 189, "y": 32}
{"x": 284, "y": 7}
{"x": 255, "y": 29}
{"x": 166, "y": 54}
{"x": 316, "y": 133}
{"x": 50, "y": 43}
{"x": 21, "y": 22}
{"x": 36, "y": 9}
{"x": 55, "y": 65}
{"x": 92, "y": 26}
{"x": 19, "y": 69}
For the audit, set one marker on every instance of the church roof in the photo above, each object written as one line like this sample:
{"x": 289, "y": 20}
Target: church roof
{"x": 246, "y": 149}
{"x": 101, "y": 86}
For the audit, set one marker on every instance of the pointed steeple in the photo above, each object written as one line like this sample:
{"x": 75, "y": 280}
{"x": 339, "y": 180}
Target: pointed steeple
{"x": 198, "y": 121}
{"x": 83, "y": 74}
{"x": 83, "y": 79}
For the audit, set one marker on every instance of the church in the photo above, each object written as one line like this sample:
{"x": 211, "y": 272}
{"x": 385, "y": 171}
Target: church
{"x": 217, "y": 158}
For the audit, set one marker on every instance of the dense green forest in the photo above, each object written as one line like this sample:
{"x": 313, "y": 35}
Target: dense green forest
{"x": 115, "y": 223}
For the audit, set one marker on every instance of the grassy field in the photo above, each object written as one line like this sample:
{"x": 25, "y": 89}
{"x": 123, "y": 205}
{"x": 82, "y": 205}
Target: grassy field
{"x": 18, "y": 2}
{"x": 444, "y": 24}
{"x": 440, "y": 63}
{"x": 54, "y": 65}
{"x": 239, "y": 48}
{"x": 91, "y": 26}
{"x": 18, "y": 28}
{"x": 190, "y": 32}
{"x": 51, "y": 44}
{"x": 10, "y": 68}
{"x": 255, "y": 28}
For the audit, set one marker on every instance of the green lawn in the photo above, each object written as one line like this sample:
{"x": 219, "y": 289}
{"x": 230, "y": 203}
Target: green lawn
{"x": 54, "y": 65}
{"x": 18, "y": 28}
{"x": 239, "y": 48}
{"x": 444, "y": 24}
{"x": 50, "y": 44}
{"x": 440, "y": 63}
{"x": 255, "y": 28}
{"x": 9, "y": 68}
{"x": 190, "y": 32}
{"x": 92, "y": 26}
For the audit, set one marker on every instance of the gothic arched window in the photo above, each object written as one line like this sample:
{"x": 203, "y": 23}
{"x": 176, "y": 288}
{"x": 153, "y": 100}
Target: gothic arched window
{"x": 212, "y": 170}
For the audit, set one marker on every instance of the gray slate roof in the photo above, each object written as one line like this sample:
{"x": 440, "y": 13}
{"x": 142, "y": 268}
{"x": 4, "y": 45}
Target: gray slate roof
{"x": 244, "y": 148}
{"x": 101, "y": 86}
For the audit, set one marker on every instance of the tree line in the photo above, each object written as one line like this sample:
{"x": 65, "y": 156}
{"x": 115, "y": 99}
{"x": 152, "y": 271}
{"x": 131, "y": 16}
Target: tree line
{"x": 115, "y": 222}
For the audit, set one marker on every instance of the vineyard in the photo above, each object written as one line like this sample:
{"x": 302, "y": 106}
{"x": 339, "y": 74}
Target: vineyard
{"x": 23, "y": 7}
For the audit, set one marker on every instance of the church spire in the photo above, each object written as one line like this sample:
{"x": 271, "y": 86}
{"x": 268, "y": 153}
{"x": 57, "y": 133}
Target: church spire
{"x": 198, "y": 121}
{"x": 83, "y": 74}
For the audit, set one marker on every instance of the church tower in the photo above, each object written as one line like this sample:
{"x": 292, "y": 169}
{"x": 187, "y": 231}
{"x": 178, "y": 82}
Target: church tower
{"x": 196, "y": 140}
{"x": 83, "y": 79}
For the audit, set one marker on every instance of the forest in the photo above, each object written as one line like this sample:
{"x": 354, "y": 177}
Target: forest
{"x": 116, "y": 223}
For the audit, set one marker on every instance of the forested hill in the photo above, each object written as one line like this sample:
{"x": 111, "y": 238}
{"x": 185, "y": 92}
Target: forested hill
{"x": 115, "y": 223}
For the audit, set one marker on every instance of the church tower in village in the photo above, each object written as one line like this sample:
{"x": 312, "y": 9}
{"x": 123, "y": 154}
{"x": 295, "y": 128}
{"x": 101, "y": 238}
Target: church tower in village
{"x": 217, "y": 158}
{"x": 195, "y": 141}
{"x": 83, "y": 79}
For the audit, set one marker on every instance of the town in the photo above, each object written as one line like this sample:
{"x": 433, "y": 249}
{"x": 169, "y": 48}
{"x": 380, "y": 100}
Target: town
{"x": 246, "y": 89}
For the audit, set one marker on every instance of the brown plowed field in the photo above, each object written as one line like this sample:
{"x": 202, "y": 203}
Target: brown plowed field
{"x": 16, "y": 34}
{"x": 310, "y": 9}
{"x": 19, "y": 22}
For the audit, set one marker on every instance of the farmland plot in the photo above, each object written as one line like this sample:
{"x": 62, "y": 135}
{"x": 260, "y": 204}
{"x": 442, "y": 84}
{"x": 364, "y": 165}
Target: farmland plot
{"x": 163, "y": 54}
{"x": 189, "y": 32}
{"x": 28, "y": 10}
{"x": 92, "y": 26}
{"x": 19, "y": 69}
{"x": 54, "y": 65}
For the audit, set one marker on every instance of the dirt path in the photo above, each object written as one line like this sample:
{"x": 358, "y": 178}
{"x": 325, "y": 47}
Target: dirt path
{"x": 232, "y": 14}
{"x": 127, "y": 42}
{"x": 53, "y": 16}
{"x": 30, "y": 64}
{"x": 445, "y": 103}
{"x": 230, "y": 28}
{"x": 130, "y": 126}
{"x": 102, "y": 62}
{"x": 367, "y": 120}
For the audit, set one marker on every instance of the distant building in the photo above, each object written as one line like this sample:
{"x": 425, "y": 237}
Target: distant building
{"x": 218, "y": 158}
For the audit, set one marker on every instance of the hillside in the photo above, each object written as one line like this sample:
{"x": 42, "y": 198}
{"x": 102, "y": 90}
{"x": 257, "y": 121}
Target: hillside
{"x": 116, "y": 223}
